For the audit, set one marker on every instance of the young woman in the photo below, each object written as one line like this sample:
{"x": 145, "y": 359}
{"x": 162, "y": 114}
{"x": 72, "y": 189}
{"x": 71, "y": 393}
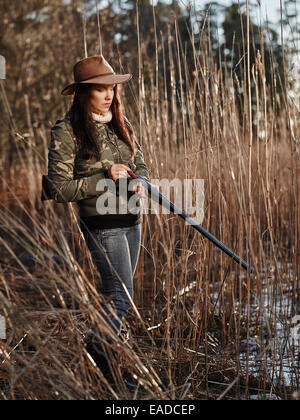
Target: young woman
{"x": 94, "y": 144}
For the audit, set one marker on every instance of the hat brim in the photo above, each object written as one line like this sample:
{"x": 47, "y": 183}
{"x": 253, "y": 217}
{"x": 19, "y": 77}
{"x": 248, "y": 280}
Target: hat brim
{"x": 110, "y": 79}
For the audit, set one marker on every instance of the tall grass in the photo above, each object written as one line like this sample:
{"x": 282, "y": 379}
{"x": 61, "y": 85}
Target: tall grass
{"x": 200, "y": 327}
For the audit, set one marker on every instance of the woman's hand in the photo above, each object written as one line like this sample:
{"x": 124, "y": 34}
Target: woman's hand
{"x": 138, "y": 188}
{"x": 117, "y": 170}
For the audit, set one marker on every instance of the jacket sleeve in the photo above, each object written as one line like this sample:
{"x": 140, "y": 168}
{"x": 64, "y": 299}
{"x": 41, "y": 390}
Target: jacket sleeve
{"x": 141, "y": 167}
{"x": 61, "y": 157}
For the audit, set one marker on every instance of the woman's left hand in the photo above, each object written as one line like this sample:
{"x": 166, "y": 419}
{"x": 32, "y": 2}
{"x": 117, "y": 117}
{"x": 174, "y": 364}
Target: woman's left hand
{"x": 138, "y": 188}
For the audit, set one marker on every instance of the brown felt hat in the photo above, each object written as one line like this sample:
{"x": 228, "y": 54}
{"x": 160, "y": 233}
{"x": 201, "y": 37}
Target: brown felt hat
{"x": 94, "y": 70}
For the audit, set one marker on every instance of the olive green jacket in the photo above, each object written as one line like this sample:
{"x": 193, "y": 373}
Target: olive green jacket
{"x": 72, "y": 179}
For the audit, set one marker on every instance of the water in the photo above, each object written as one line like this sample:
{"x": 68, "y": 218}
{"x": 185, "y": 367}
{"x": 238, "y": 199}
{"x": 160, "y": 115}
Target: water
{"x": 274, "y": 352}
{"x": 270, "y": 353}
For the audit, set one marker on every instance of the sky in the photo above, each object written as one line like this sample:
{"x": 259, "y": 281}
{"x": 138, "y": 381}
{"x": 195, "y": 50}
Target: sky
{"x": 269, "y": 11}
{"x": 270, "y": 8}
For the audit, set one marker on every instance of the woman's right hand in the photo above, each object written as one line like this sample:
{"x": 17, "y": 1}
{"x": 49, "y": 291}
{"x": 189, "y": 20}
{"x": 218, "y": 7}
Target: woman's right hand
{"x": 117, "y": 170}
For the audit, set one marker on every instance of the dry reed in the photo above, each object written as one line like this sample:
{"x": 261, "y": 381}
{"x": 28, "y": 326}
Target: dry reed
{"x": 201, "y": 328}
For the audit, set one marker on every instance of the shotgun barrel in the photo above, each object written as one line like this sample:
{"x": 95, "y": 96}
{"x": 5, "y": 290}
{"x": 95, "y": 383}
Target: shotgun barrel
{"x": 162, "y": 200}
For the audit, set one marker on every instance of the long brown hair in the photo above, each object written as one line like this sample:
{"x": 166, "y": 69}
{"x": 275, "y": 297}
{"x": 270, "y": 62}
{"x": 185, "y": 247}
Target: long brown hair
{"x": 85, "y": 129}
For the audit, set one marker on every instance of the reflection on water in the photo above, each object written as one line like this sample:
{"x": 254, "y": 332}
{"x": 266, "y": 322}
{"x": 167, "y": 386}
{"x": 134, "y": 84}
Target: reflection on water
{"x": 269, "y": 334}
{"x": 273, "y": 352}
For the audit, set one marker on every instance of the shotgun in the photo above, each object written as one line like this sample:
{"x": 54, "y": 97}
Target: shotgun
{"x": 162, "y": 200}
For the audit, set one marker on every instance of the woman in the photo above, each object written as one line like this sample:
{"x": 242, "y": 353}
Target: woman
{"x": 94, "y": 144}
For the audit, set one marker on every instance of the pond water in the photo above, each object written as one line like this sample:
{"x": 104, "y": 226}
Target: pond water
{"x": 273, "y": 353}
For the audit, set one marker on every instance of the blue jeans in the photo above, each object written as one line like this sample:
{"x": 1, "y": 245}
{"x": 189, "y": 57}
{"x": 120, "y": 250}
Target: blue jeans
{"x": 115, "y": 251}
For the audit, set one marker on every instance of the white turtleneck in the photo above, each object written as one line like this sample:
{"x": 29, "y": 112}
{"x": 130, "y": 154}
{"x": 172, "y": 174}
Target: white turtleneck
{"x": 103, "y": 118}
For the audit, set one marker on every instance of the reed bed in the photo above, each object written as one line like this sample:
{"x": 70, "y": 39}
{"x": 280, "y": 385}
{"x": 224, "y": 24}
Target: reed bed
{"x": 201, "y": 328}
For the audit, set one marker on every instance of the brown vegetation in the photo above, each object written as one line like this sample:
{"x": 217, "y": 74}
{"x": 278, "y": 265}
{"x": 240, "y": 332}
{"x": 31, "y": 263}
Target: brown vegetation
{"x": 201, "y": 327}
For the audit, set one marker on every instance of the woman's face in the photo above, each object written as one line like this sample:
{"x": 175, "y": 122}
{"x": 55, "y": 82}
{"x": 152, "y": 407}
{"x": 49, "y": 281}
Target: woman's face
{"x": 100, "y": 98}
